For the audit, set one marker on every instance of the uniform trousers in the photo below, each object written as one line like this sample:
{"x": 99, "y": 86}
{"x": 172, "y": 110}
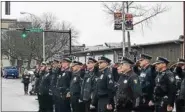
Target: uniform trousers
{"x": 62, "y": 105}
{"x": 102, "y": 104}
{"x": 45, "y": 103}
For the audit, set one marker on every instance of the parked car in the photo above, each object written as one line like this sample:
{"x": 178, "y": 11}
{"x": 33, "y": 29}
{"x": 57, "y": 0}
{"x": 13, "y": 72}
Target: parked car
{"x": 10, "y": 71}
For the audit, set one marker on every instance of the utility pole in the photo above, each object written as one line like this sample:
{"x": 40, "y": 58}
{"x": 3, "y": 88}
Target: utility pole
{"x": 123, "y": 27}
{"x": 44, "y": 54}
{"x": 128, "y": 33}
{"x": 70, "y": 39}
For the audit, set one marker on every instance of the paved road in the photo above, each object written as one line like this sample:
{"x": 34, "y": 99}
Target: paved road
{"x": 13, "y": 98}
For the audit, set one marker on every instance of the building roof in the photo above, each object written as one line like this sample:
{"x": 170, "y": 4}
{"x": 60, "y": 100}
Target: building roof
{"x": 136, "y": 45}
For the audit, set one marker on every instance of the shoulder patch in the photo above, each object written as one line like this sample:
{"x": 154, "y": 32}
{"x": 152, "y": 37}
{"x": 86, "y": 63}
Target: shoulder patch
{"x": 172, "y": 79}
{"x": 74, "y": 79}
{"x": 101, "y": 77}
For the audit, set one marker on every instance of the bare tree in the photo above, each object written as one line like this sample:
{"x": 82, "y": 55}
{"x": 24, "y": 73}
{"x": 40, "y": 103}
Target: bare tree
{"x": 143, "y": 14}
{"x": 31, "y": 47}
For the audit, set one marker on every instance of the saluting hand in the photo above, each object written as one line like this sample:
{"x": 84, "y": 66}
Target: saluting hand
{"x": 68, "y": 95}
{"x": 169, "y": 108}
{"x": 150, "y": 103}
{"x": 109, "y": 107}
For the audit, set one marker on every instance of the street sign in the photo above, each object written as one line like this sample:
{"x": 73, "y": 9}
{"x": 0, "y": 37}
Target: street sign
{"x": 36, "y": 30}
{"x": 117, "y": 21}
{"x": 128, "y": 21}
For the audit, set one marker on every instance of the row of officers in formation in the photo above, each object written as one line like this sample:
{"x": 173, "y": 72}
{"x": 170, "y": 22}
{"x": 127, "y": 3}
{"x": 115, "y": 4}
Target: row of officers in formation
{"x": 128, "y": 86}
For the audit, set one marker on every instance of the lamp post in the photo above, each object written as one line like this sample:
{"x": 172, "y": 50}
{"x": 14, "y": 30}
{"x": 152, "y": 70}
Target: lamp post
{"x": 43, "y": 35}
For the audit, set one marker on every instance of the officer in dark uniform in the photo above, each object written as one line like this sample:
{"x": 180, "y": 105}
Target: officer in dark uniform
{"x": 128, "y": 90}
{"x": 63, "y": 86}
{"x": 45, "y": 99}
{"x": 41, "y": 73}
{"x": 26, "y": 80}
{"x": 52, "y": 89}
{"x": 182, "y": 95}
{"x": 105, "y": 86}
{"x": 179, "y": 71}
{"x": 165, "y": 89}
{"x": 75, "y": 87}
{"x": 147, "y": 81}
{"x": 89, "y": 84}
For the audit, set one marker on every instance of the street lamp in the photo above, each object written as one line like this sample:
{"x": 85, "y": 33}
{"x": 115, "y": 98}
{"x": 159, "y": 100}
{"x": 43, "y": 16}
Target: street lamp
{"x": 43, "y": 34}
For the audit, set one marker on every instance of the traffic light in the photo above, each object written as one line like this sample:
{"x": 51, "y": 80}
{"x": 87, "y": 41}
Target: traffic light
{"x": 24, "y": 33}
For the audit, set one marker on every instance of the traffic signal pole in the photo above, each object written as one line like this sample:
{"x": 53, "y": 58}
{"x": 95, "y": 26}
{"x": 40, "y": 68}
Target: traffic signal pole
{"x": 43, "y": 40}
{"x": 43, "y": 37}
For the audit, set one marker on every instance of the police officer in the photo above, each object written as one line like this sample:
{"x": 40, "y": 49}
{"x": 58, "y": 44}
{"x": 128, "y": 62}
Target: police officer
{"x": 89, "y": 84}
{"x": 75, "y": 87}
{"x": 182, "y": 95}
{"x": 105, "y": 86}
{"x": 165, "y": 89}
{"x": 52, "y": 89}
{"x": 179, "y": 75}
{"x": 63, "y": 86}
{"x": 128, "y": 90}
{"x": 26, "y": 80}
{"x": 41, "y": 73}
{"x": 147, "y": 81}
{"x": 45, "y": 98}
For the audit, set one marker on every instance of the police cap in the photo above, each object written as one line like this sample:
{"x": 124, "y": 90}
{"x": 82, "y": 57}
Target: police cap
{"x": 161, "y": 60}
{"x": 145, "y": 56}
{"x": 104, "y": 59}
{"x": 127, "y": 60}
{"x": 55, "y": 61}
{"x": 92, "y": 59}
{"x": 180, "y": 61}
{"x": 68, "y": 59}
{"x": 77, "y": 63}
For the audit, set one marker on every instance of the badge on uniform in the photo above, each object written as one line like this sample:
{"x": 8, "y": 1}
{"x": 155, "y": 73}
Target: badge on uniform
{"x": 74, "y": 79}
{"x": 101, "y": 76}
{"x": 47, "y": 74}
{"x": 109, "y": 76}
{"x": 125, "y": 81}
{"x": 158, "y": 80}
{"x": 63, "y": 74}
{"x": 110, "y": 81}
{"x": 172, "y": 79}
{"x": 96, "y": 79}
{"x": 59, "y": 76}
{"x": 88, "y": 80}
{"x": 143, "y": 75}
{"x": 135, "y": 81}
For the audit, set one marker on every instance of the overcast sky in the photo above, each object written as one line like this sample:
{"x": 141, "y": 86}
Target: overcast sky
{"x": 94, "y": 25}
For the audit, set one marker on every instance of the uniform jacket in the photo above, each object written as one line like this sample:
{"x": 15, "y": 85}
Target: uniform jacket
{"x": 105, "y": 84}
{"x": 63, "y": 82}
{"x": 75, "y": 85}
{"x": 165, "y": 86}
{"x": 147, "y": 80}
{"x": 128, "y": 89}
{"x": 45, "y": 83}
